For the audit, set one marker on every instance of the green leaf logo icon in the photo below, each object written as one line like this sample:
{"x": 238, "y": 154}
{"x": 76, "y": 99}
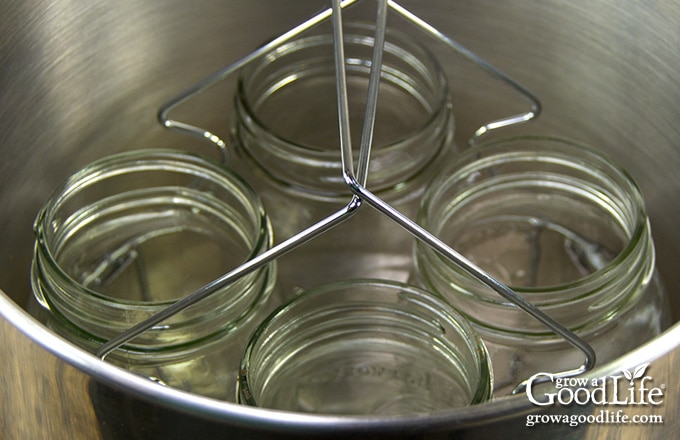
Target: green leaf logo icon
{"x": 636, "y": 374}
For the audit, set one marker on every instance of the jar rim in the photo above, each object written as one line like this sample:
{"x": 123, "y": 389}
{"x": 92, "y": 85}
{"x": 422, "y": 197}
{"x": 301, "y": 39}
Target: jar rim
{"x": 350, "y": 36}
{"x": 327, "y": 162}
{"x": 467, "y": 162}
{"x": 109, "y": 166}
{"x": 425, "y": 300}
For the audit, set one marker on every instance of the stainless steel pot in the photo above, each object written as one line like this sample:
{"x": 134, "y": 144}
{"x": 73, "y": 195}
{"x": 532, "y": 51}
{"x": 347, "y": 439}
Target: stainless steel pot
{"x": 82, "y": 79}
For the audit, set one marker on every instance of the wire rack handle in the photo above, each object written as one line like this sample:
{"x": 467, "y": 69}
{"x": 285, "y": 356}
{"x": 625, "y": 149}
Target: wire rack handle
{"x": 356, "y": 181}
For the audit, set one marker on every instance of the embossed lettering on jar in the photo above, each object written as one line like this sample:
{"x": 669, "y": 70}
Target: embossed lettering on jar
{"x": 365, "y": 347}
{"x": 130, "y": 234}
{"x": 564, "y": 227}
{"x": 287, "y": 130}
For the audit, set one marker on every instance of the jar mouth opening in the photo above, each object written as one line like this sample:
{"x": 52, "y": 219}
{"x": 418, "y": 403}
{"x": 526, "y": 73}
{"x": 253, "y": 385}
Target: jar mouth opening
{"x": 345, "y": 315}
{"x": 615, "y": 190}
{"x": 317, "y": 153}
{"x": 55, "y": 232}
{"x": 397, "y": 44}
{"x": 299, "y": 71}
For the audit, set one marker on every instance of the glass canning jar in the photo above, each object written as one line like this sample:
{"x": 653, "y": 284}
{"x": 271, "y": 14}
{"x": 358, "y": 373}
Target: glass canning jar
{"x": 365, "y": 347}
{"x": 132, "y": 233}
{"x": 286, "y": 132}
{"x": 563, "y": 226}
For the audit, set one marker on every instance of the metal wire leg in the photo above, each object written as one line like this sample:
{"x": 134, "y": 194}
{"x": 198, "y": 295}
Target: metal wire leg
{"x": 248, "y": 267}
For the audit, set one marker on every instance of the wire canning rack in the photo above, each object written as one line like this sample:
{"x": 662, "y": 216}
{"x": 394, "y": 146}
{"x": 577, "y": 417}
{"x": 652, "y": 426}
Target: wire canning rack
{"x": 356, "y": 177}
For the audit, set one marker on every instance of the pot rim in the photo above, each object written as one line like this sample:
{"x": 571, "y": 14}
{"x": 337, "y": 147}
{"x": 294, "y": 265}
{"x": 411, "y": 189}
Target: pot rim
{"x": 226, "y": 412}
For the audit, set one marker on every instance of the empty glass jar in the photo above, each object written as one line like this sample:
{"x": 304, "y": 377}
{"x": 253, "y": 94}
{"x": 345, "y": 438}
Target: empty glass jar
{"x": 563, "y": 226}
{"x": 365, "y": 347}
{"x": 132, "y": 233}
{"x": 286, "y": 130}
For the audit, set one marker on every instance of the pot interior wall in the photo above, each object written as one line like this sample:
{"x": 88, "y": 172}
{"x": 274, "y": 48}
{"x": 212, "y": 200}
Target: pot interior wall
{"x": 84, "y": 79}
